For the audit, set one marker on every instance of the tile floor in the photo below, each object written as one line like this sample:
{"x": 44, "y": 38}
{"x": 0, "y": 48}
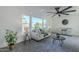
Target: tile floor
{"x": 45, "y": 45}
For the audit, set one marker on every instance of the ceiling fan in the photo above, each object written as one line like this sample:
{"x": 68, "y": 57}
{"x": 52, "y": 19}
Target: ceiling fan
{"x": 62, "y": 12}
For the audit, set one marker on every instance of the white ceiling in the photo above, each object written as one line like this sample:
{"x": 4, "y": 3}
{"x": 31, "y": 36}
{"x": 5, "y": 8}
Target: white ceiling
{"x": 41, "y": 11}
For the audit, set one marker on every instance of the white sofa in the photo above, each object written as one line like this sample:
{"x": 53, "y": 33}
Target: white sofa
{"x": 36, "y": 35}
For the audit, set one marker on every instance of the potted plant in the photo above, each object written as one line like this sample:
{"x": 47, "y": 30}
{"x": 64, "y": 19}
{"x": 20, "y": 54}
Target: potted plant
{"x": 11, "y": 38}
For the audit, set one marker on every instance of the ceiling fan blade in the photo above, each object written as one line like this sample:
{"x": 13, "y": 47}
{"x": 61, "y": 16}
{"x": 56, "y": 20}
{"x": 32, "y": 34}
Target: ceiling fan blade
{"x": 53, "y": 15}
{"x": 71, "y": 11}
{"x": 57, "y": 9}
{"x": 50, "y": 12}
{"x": 65, "y": 14}
{"x": 66, "y": 8}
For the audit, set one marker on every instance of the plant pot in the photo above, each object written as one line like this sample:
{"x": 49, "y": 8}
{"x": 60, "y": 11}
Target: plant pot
{"x": 11, "y": 46}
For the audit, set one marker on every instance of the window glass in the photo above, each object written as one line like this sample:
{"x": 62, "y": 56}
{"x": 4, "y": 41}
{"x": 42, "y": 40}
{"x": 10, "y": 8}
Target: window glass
{"x": 45, "y": 24}
{"x": 36, "y": 23}
{"x": 25, "y": 23}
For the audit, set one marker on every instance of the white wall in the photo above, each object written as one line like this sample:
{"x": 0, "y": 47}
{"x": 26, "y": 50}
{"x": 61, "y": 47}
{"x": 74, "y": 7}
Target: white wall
{"x": 10, "y": 18}
{"x": 56, "y": 22}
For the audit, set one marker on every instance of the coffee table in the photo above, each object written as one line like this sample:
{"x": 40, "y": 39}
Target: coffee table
{"x": 60, "y": 39}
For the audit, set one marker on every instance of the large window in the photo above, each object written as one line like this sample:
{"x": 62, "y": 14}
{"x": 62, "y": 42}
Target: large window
{"x": 45, "y": 24}
{"x": 36, "y": 23}
{"x": 25, "y": 23}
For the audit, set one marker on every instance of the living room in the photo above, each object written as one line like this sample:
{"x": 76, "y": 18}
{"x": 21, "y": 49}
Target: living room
{"x": 32, "y": 20}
